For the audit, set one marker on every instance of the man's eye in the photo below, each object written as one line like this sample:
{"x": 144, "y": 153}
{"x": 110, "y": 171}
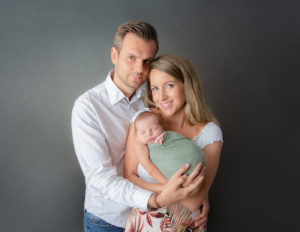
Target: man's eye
{"x": 147, "y": 61}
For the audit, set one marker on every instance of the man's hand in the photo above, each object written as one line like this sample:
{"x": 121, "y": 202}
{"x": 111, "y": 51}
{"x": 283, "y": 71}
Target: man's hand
{"x": 201, "y": 220}
{"x": 193, "y": 175}
{"x": 177, "y": 189}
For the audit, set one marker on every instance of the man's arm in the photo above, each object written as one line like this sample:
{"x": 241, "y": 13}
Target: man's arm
{"x": 173, "y": 191}
{"x": 95, "y": 160}
{"x": 201, "y": 220}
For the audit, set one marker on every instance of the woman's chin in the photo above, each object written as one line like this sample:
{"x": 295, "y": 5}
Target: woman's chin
{"x": 167, "y": 112}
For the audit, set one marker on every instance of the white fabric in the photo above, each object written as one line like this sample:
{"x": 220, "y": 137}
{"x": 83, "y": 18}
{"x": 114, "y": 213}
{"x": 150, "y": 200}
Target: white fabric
{"x": 208, "y": 135}
{"x": 138, "y": 113}
{"x": 100, "y": 124}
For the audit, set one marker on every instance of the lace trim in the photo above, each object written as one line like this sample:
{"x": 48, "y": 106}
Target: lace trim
{"x": 209, "y": 134}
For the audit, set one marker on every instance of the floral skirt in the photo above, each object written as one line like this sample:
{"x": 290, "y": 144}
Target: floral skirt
{"x": 175, "y": 218}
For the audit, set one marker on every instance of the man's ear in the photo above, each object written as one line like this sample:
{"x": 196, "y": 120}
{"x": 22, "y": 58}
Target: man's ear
{"x": 114, "y": 55}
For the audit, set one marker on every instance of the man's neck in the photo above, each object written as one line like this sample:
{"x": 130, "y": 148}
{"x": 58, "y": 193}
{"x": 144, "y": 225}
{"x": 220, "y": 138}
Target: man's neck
{"x": 128, "y": 92}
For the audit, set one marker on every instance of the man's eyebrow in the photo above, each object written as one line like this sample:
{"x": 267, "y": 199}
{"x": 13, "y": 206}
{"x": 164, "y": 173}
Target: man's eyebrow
{"x": 149, "y": 59}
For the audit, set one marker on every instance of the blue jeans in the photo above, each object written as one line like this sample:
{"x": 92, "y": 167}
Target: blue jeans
{"x": 93, "y": 223}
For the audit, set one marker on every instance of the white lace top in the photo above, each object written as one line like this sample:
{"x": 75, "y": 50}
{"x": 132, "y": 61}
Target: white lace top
{"x": 208, "y": 135}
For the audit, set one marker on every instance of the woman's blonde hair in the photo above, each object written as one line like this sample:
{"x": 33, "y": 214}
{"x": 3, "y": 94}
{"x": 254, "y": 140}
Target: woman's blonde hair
{"x": 196, "y": 110}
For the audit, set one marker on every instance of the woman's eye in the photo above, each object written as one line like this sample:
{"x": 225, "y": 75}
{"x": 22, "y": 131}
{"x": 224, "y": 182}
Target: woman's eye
{"x": 170, "y": 85}
{"x": 154, "y": 89}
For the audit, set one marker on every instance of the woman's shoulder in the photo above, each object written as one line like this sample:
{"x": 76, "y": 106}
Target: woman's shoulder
{"x": 157, "y": 112}
{"x": 209, "y": 134}
{"x": 154, "y": 110}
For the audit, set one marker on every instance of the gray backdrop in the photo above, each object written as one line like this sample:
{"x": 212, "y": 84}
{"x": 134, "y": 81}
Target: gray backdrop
{"x": 247, "y": 55}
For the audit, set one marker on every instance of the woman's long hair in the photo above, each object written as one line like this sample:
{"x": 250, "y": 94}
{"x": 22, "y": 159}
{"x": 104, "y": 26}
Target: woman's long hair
{"x": 196, "y": 110}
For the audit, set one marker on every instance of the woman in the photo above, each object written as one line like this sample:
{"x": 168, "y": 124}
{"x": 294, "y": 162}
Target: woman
{"x": 174, "y": 93}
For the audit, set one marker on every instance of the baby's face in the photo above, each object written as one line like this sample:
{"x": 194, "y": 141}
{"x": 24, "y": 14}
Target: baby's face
{"x": 148, "y": 129}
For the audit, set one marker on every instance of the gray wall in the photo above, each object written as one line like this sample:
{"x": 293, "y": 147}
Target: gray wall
{"x": 247, "y": 55}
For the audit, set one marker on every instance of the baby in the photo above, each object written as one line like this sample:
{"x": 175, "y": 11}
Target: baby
{"x": 168, "y": 150}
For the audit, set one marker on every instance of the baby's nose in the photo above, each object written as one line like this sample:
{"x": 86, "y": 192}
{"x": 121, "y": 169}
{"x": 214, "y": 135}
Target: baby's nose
{"x": 149, "y": 132}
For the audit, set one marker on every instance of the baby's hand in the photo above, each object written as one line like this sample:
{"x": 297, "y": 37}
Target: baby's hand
{"x": 159, "y": 139}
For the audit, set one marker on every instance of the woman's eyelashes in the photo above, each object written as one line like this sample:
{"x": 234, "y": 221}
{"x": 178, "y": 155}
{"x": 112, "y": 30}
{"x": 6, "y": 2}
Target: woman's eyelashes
{"x": 168, "y": 85}
{"x": 153, "y": 89}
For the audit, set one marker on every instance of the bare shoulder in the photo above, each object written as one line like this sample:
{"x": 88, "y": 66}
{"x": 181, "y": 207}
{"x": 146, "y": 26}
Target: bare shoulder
{"x": 155, "y": 110}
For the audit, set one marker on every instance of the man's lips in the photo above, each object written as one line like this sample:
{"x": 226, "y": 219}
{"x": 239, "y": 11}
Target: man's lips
{"x": 138, "y": 78}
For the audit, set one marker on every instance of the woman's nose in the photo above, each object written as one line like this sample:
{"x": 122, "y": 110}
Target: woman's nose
{"x": 162, "y": 94}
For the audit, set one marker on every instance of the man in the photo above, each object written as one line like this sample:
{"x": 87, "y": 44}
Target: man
{"x": 100, "y": 123}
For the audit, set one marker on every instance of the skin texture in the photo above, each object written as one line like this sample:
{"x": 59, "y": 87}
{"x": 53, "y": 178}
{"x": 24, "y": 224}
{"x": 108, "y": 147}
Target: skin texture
{"x": 131, "y": 63}
{"x": 168, "y": 94}
{"x": 148, "y": 129}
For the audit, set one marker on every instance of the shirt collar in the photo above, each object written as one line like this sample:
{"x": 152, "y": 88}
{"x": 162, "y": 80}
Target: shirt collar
{"x": 115, "y": 94}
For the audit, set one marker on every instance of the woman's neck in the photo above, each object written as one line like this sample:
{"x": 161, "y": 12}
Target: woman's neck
{"x": 174, "y": 122}
{"x": 178, "y": 122}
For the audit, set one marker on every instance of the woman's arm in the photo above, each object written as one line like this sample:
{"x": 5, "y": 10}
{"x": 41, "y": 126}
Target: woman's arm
{"x": 212, "y": 156}
{"x": 136, "y": 153}
{"x": 142, "y": 154}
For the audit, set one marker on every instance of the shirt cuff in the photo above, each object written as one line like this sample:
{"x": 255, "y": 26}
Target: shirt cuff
{"x": 141, "y": 199}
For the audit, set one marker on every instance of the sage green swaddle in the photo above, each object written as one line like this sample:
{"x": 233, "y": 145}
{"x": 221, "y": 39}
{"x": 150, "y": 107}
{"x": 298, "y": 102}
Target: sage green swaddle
{"x": 175, "y": 151}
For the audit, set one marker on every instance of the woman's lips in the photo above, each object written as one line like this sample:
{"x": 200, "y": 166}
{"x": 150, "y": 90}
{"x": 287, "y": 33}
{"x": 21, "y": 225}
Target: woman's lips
{"x": 166, "y": 105}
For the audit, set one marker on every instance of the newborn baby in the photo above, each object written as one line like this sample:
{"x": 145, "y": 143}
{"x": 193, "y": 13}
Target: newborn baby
{"x": 168, "y": 150}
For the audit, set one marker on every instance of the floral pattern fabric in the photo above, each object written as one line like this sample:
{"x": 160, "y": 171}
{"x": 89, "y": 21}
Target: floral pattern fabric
{"x": 175, "y": 218}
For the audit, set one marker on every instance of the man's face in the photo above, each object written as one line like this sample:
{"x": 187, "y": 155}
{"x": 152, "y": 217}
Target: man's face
{"x": 132, "y": 62}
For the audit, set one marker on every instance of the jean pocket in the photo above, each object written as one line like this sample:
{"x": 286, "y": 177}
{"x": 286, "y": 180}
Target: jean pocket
{"x": 98, "y": 222}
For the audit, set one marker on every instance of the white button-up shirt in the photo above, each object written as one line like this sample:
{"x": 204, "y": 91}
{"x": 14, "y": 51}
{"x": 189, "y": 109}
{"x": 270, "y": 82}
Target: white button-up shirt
{"x": 100, "y": 123}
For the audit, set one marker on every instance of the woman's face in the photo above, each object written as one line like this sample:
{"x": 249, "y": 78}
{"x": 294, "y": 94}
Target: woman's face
{"x": 167, "y": 92}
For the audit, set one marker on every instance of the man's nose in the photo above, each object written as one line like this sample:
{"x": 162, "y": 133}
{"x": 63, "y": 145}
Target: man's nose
{"x": 139, "y": 66}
